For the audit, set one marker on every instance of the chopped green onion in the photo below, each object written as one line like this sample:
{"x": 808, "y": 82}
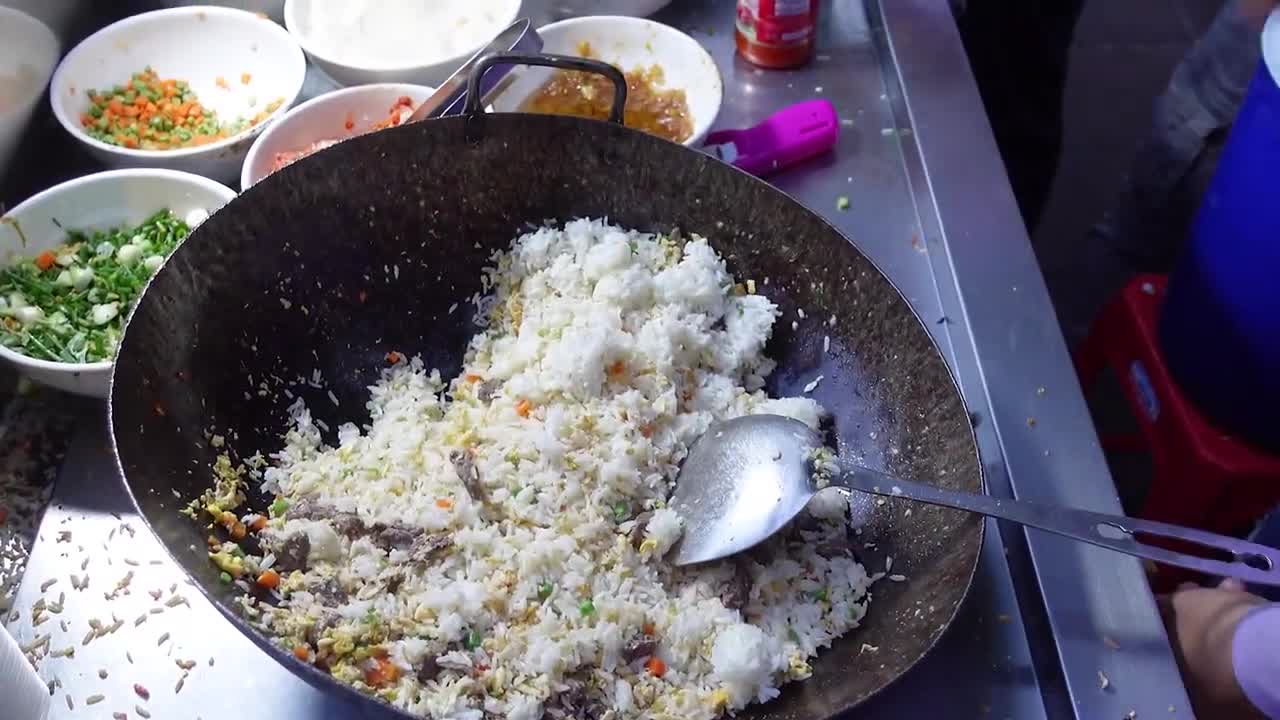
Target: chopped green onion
{"x": 236, "y": 551}
{"x": 621, "y": 511}
{"x": 842, "y": 203}
{"x": 79, "y": 302}
{"x": 820, "y": 594}
{"x": 791, "y": 634}
{"x": 544, "y": 590}
{"x": 586, "y": 607}
{"x": 224, "y": 578}
{"x": 473, "y": 640}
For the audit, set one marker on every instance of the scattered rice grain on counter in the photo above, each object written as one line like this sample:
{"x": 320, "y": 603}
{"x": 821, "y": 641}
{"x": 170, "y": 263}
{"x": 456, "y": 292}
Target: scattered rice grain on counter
{"x": 494, "y": 544}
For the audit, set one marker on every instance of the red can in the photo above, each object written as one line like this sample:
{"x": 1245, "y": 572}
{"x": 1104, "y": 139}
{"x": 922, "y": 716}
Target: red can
{"x": 777, "y": 33}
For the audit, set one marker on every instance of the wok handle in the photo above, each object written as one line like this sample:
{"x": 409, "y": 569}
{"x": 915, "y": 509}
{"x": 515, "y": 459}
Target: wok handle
{"x": 561, "y": 62}
{"x": 1246, "y": 561}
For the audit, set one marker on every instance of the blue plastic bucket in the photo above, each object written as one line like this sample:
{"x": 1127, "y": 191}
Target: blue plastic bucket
{"x": 1220, "y": 325}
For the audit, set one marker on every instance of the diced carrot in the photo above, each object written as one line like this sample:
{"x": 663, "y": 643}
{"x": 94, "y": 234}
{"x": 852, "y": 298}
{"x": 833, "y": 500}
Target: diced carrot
{"x": 258, "y": 523}
{"x": 129, "y": 111}
{"x": 616, "y": 368}
{"x": 237, "y": 531}
{"x": 394, "y": 357}
{"x": 221, "y": 82}
{"x": 445, "y": 503}
{"x": 647, "y": 628}
{"x": 472, "y": 378}
{"x": 384, "y": 672}
{"x": 269, "y": 579}
{"x": 350, "y": 123}
{"x": 86, "y": 119}
{"x": 4, "y": 515}
{"x": 45, "y": 260}
{"x": 302, "y": 652}
{"x": 656, "y": 667}
{"x": 523, "y": 407}
{"x": 245, "y": 78}
{"x": 646, "y": 430}
{"x": 115, "y": 105}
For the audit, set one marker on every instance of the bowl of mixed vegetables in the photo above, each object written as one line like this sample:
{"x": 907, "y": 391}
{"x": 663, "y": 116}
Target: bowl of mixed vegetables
{"x": 74, "y": 260}
{"x": 185, "y": 88}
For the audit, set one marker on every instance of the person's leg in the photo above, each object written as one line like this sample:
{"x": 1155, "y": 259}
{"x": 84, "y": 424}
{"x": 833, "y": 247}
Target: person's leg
{"x": 1018, "y": 52}
{"x": 1148, "y": 221}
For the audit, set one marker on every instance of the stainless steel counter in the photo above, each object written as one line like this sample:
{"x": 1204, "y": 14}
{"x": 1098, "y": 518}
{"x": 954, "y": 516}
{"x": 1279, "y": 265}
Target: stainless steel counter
{"x": 930, "y": 204}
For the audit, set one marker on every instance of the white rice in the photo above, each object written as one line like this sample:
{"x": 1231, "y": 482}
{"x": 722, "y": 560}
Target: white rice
{"x": 607, "y": 353}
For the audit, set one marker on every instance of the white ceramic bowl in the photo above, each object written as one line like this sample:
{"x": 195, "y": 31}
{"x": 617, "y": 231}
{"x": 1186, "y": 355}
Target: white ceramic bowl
{"x": 323, "y": 118}
{"x": 630, "y": 8}
{"x": 28, "y": 53}
{"x": 630, "y": 43}
{"x": 341, "y": 60}
{"x": 199, "y": 45}
{"x": 273, "y": 9}
{"x": 95, "y": 202}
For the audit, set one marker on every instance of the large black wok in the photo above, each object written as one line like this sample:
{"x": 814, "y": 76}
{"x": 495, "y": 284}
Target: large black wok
{"x": 333, "y": 261}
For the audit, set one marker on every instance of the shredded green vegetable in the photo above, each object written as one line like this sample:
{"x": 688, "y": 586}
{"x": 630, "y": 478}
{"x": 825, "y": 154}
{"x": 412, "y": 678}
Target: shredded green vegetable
{"x": 69, "y": 304}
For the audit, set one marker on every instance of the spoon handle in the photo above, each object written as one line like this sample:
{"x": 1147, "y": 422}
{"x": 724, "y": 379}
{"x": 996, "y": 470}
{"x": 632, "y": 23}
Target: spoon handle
{"x": 1248, "y": 562}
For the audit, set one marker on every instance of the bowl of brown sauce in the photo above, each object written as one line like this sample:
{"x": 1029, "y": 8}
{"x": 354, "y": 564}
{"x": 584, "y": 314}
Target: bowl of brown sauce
{"x": 674, "y": 89}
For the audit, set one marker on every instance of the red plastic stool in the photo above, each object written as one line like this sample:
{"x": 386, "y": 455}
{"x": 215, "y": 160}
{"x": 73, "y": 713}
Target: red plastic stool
{"x": 1202, "y": 478}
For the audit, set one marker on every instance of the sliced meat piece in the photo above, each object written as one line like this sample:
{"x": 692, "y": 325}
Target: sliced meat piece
{"x": 329, "y": 592}
{"x": 487, "y": 389}
{"x": 394, "y": 537}
{"x": 637, "y": 531}
{"x": 349, "y": 524}
{"x": 566, "y": 704}
{"x": 641, "y": 647}
{"x": 308, "y": 509}
{"x": 292, "y": 553}
{"x": 427, "y": 670}
{"x": 736, "y": 595}
{"x": 394, "y": 582}
{"x": 464, "y": 464}
{"x": 427, "y": 546}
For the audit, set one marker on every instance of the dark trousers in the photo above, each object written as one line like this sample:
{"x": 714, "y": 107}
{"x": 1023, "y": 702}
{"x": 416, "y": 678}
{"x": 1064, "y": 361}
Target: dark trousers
{"x": 1018, "y": 50}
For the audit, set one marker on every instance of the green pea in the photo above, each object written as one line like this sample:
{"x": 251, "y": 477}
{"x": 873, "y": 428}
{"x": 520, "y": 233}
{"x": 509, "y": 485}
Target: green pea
{"x": 586, "y": 607}
{"x": 280, "y": 505}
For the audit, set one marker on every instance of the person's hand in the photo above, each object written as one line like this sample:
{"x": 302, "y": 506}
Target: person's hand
{"x": 1202, "y": 623}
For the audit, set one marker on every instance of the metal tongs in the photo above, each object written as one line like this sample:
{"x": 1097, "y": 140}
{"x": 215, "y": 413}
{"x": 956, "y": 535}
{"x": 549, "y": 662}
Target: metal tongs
{"x": 448, "y": 99}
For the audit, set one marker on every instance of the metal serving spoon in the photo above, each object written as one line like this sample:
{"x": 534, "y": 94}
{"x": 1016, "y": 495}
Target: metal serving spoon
{"x": 746, "y": 478}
